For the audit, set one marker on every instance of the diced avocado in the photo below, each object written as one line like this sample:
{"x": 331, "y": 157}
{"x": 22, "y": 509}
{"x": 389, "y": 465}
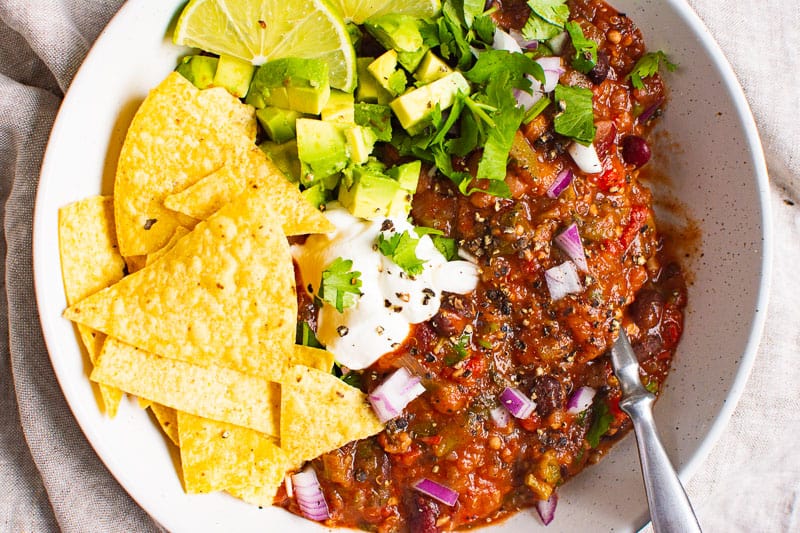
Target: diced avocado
{"x": 367, "y": 192}
{"x": 401, "y": 33}
{"x": 234, "y": 75}
{"x": 400, "y": 206}
{"x": 285, "y": 158}
{"x": 384, "y": 70}
{"x": 407, "y": 175}
{"x": 368, "y": 89}
{"x": 322, "y": 148}
{"x": 279, "y": 124}
{"x": 431, "y": 68}
{"x": 376, "y": 117}
{"x": 317, "y": 195}
{"x": 291, "y": 83}
{"x": 360, "y": 141}
{"x": 199, "y": 70}
{"x": 414, "y": 107}
{"x": 340, "y": 108}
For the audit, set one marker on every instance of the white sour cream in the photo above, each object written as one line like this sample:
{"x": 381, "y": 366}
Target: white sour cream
{"x": 391, "y": 300}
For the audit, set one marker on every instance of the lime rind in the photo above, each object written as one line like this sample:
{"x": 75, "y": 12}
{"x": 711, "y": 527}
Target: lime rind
{"x": 358, "y": 11}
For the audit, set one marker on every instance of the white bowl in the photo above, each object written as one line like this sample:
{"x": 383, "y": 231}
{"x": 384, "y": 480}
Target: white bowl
{"x": 717, "y": 174}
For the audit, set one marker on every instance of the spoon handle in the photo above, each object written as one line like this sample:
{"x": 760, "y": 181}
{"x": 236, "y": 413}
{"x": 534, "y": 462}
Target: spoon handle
{"x": 670, "y": 509}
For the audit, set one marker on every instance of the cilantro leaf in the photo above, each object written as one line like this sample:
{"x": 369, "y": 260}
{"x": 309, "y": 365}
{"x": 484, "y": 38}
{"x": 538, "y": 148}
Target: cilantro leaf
{"x": 445, "y": 245}
{"x": 601, "y": 421}
{"x": 576, "y": 119}
{"x": 484, "y": 28}
{"x": 472, "y": 10}
{"x": 402, "y": 249}
{"x": 339, "y": 286}
{"x": 492, "y": 63}
{"x": 538, "y": 29}
{"x": 585, "y": 49}
{"x": 648, "y": 65}
{"x": 555, "y": 12}
{"x": 459, "y": 348}
{"x": 306, "y": 336}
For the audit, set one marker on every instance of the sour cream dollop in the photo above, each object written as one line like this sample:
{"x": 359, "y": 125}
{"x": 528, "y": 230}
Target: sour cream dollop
{"x": 391, "y": 300}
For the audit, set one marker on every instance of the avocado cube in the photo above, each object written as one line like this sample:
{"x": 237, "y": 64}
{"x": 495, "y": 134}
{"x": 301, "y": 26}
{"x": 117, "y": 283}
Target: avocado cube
{"x": 431, "y": 68}
{"x": 384, "y": 70}
{"x": 400, "y": 206}
{"x": 368, "y": 89}
{"x": 285, "y": 158}
{"x": 279, "y": 124}
{"x": 199, "y": 70}
{"x": 367, "y": 192}
{"x": 340, "y": 108}
{"x": 401, "y": 33}
{"x": 291, "y": 83}
{"x": 376, "y": 117}
{"x": 415, "y": 107}
{"x": 407, "y": 175}
{"x": 317, "y": 196}
{"x": 322, "y": 148}
{"x": 360, "y": 141}
{"x": 234, "y": 75}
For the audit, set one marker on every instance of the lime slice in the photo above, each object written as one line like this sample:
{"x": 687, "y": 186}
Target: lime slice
{"x": 261, "y": 30}
{"x": 360, "y": 10}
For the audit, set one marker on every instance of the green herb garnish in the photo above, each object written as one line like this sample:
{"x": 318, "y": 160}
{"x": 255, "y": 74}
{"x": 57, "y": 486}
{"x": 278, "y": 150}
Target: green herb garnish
{"x": 401, "y": 248}
{"x": 340, "y": 287}
{"x": 306, "y": 336}
{"x": 546, "y": 20}
{"x": 601, "y": 421}
{"x": 576, "y": 119}
{"x": 585, "y": 49}
{"x": 648, "y": 65}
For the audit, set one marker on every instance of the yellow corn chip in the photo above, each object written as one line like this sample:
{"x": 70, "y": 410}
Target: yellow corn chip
{"x": 214, "y": 392}
{"x": 207, "y": 196}
{"x": 313, "y": 357}
{"x": 135, "y": 263}
{"x": 180, "y": 232}
{"x": 179, "y": 135}
{"x": 168, "y": 420}
{"x": 223, "y": 295}
{"x": 90, "y": 261}
{"x": 221, "y": 456}
{"x": 320, "y": 413}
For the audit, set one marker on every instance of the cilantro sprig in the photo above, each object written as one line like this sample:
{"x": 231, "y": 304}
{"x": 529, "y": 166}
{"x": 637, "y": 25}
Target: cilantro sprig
{"x": 648, "y": 65}
{"x": 576, "y": 119}
{"x": 585, "y": 49}
{"x": 340, "y": 286}
{"x": 546, "y": 20}
{"x": 401, "y": 248}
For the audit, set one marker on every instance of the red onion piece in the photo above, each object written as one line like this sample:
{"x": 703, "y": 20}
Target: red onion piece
{"x": 585, "y": 157}
{"x": 309, "y": 496}
{"x": 504, "y": 41}
{"x": 649, "y": 112}
{"x": 562, "y": 280}
{"x": 558, "y": 42}
{"x": 525, "y": 100}
{"x": 517, "y": 403}
{"x": 580, "y": 400}
{"x": 553, "y": 70}
{"x": 500, "y": 416}
{"x": 547, "y": 508}
{"x": 523, "y": 42}
{"x": 437, "y": 491}
{"x": 569, "y": 240}
{"x": 562, "y": 181}
{"x": 391, "y": 397}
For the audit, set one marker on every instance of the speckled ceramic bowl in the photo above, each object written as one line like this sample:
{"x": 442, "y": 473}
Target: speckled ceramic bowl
{"x": 717, "y": 176}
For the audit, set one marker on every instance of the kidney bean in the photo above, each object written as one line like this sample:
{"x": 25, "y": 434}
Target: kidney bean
{"x": 635, "y": 150}
{"x": 647, "y": 309}
{"x": 423, "y": 513}
{"x": 549, "y": 394}
{"x": 599, "y": 72}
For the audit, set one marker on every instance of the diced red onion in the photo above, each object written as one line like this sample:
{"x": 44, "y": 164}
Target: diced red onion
{"x": 562, "y": 181}
{"x": 504, "y": 41}
{"x": 553, "y": 69}
{"x": 500, "y": 416}
{"x": 569, "y": 240}
{"x": 580, "y": 400}
{"x": 558, "y": 42}
{"x": 525, "y": 100}
{"x": 524, "y": 43}
{"x": 517, "y": 403}
{"x": 287, "y": 481}
{"x": 585, "y": 157}
{"x": 562, "y": 280}
{"x": 547, "y": 508}
{"x": 309, "y": 496}
{"x": 391, "y": 397}
{"x": 466, "y": 256}
{"x": 649, "y": 112}
{"x": 437, "y": 491}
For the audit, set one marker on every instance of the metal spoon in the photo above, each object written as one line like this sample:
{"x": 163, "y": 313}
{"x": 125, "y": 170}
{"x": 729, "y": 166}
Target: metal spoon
{"x": 670, "y": 509}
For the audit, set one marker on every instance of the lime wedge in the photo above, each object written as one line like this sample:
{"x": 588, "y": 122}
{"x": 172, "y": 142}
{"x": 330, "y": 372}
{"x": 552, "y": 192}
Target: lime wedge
{"x": 360, "y": 10}
{"x": 262, "y": 30}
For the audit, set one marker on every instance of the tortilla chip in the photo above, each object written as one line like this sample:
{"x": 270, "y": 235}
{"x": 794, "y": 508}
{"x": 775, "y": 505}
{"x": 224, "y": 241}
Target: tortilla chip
{"x": 221, "y": 456}
{"x": 313, "y": 357}
{"x": 207, "y": 196}
{"x": 168, "y": 420}
{"x": 320, "y": 413}
{"x": 223, "y": 295}
{"x": 135, "y": 263}
{"x": 180, "y": 232}
{"x": 90, "y": 261}
{"x": 214, "y": 392}
{"x": 179, "y": 135}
